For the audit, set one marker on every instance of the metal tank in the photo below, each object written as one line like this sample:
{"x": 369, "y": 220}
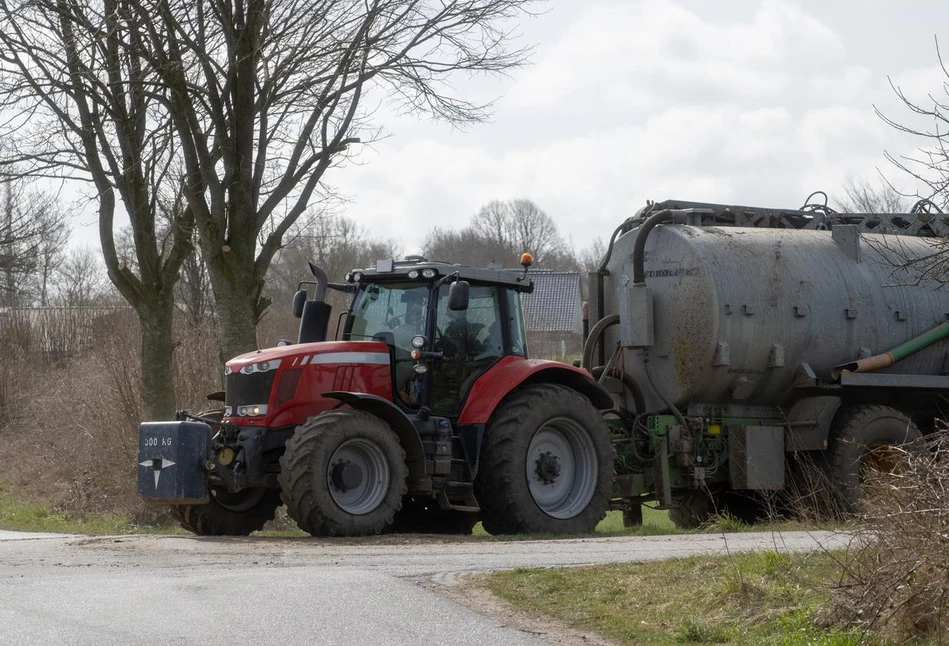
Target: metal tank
{"x": 728, "y": 314}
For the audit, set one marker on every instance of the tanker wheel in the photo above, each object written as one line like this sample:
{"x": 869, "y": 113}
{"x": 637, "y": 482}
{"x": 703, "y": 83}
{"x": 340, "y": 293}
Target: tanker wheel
{"x": 546, "y": 464}
{"x": 868, "y": 437}
{"x": 343, "y": 473}
{"x": 690, "y": 509}
{"x": 229, "y": 514}
{"x": 426, "y": 517}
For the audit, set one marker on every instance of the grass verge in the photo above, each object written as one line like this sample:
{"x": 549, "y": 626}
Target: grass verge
{"x": 762, "y": 598}
{"x": 22, "y": 516}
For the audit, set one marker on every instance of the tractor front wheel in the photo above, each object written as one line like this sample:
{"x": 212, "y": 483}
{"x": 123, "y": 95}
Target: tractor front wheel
{"x": 229, "y": 514}
{"x": 546, "y": 464}
{"x": 343, "y": 474}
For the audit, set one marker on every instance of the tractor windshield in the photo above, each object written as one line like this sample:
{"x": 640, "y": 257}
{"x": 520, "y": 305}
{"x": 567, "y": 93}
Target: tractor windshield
{"x": 398, "y": 308}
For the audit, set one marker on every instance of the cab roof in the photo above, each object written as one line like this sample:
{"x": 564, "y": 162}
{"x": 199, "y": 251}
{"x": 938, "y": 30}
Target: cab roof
{"x": 400, "y": 270}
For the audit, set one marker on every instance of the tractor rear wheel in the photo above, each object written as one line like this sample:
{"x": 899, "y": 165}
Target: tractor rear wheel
{"x": 868, "y": 437}
{"x": 546, "y": 464}
{"x": 343, "y": 473}
{"x": 426, "y": 517}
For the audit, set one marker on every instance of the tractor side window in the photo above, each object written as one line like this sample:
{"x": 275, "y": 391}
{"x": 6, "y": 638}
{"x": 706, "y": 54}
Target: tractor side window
{"x": 516, "y": 322}
{"x": 397, "y": 312}
{"x": 470, "y": 341}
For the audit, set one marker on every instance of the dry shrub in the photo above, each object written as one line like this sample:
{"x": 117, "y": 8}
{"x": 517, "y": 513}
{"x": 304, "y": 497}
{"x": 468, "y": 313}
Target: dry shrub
{"x": 198, "y": 369}
{"x": 69, "y": 426}
{"x": 896, "y": 585}
{"x": 810, "y": 496}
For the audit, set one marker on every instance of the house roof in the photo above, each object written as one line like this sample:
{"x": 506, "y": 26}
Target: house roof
{"x": 554, "y": 305}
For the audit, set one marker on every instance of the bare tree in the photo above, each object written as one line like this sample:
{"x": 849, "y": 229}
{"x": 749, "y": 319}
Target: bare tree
{"x": 499, "y": 233}
{"x": 864, "y": 197}
{"x": 930, "y": 165}
{"x": 32, "y": 233}
{"x": 467, "y": 246}
{"x": 242, "y": 105}
{"x": 195, "y": 298}
{"x": 533, "y": 230}
{"x": 493, "y": 222}
{"x": 80, "y": 280}
{"x": 591, "y": 257}
{"x": 83, "y": 101}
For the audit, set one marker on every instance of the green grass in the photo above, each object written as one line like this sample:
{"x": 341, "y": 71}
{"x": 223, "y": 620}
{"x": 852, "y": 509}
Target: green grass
{"x": 765, "y": 598}
{"x": 30, "y": 517}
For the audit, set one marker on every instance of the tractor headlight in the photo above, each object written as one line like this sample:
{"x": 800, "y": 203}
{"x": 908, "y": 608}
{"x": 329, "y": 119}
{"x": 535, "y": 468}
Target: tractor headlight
{"x": 263, "y": 366}
{"x": 357, "y": 276}
{"x": 418, "y": 341}
{"x": 254, "y": 410}
{"x": 413, "y": 274}
{"x": 227, "y": 411}
{"x": 428, "y": 273}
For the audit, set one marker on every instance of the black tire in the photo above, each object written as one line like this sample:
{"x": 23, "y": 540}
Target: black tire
{"x": 747, "y": 506}
{"x": 426, "y": 517}
{"x": 864, "y": 436}
{"x": 691, "y": 509}
{"x": 322, "y": 495}
{"x": 534, "y": 436}
{"x": 229, "y": 514}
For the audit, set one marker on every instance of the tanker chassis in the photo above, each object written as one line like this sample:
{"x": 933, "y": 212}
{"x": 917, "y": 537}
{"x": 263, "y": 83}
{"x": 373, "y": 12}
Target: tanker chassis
{"x": 753, "y": 354}
{"x": 731, "y": 346}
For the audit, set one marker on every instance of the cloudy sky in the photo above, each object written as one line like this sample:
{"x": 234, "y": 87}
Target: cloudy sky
{"x": 746, "y": 101}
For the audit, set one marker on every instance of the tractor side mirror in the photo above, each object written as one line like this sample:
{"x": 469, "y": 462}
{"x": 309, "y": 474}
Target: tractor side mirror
{"x": 298, "y": 300}
{"x": 458, "y": 295}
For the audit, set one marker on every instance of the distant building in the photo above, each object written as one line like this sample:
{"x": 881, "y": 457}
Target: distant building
{"x": 552, "y": 314}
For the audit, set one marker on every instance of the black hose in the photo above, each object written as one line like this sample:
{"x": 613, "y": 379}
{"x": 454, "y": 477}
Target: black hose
{"x": 634, "y": 390}
{"x": 602, "y": 272}
{"x": 665, "y": 400}
{"x": 639, "y": 248}
{"x": 593, "y": 339}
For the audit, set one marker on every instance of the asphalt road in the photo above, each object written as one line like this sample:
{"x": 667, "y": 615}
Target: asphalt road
{"x": 57, "y": 589}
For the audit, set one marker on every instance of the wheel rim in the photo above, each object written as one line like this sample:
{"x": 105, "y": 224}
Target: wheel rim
{"x": 358, "y": 476}
{"x": 561, "y": 468}
{"x": 240, "y": 501}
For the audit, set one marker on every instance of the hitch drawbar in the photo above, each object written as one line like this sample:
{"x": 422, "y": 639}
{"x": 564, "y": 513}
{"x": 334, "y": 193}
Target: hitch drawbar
{"x": 171, "y": 458}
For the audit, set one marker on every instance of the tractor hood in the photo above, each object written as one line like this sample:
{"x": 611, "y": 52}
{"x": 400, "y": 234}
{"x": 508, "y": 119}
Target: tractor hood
{"x": 300, "y": 354}
{"x": 284, "y": 386}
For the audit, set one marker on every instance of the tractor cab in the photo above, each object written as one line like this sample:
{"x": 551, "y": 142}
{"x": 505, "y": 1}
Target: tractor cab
{"x": 445, "y": 326}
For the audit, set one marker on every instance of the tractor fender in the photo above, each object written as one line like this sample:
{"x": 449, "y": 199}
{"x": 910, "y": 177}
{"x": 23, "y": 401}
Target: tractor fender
{"x": 513, "y": 371}
{"x": 397, "y": 421}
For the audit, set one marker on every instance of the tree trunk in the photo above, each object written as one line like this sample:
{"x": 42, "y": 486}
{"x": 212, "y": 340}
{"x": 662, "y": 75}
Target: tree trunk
{"x": 158, "y": 375}
{"x": 236, "y": 317}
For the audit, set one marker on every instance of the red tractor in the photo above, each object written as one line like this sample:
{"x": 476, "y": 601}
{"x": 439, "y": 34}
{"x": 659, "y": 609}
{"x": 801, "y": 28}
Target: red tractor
{"x": 427, "y": 416}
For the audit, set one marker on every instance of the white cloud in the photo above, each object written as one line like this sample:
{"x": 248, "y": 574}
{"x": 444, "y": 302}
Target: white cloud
{"x": 754, "y": 102}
